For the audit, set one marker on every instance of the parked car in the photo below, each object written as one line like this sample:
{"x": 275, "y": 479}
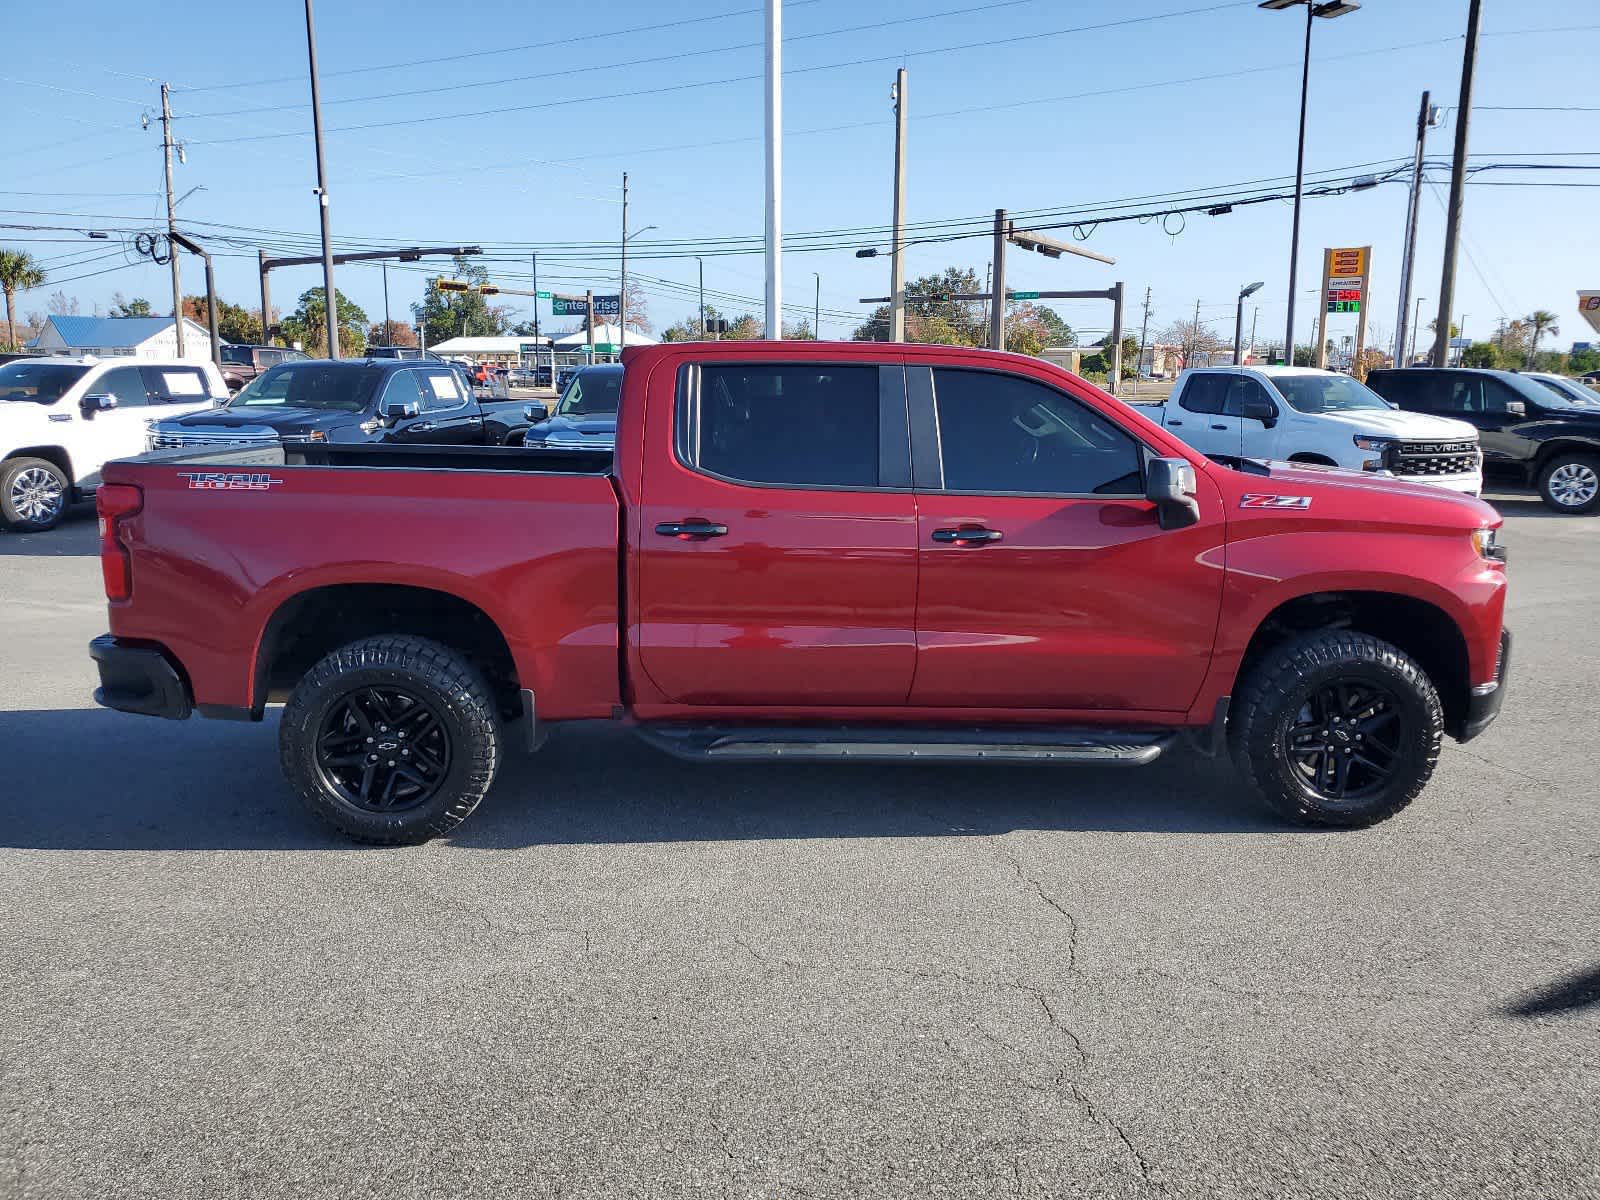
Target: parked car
{"x": 808, "y": 551}
{"x": 1565, "y": 385}
{"x": 62, "y": 419}
{"x": 241, "y": 364}
{"x": 1305, "y": 415}
{"x": 351, "y": 401}
{"x": 564, "y": 376}
{"x": 409, "y": 353}
{"x": 1530, "y": 433}
{"x": 586, "y": 414}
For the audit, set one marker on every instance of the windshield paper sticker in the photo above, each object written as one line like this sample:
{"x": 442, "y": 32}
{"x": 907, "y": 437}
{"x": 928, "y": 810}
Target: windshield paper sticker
{"x": 229, "y": 481}
{"x": 1263, "y": 500}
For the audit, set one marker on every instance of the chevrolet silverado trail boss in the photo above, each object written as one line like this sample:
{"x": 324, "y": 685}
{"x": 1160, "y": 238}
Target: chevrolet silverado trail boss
{"x": 808, "y": 551}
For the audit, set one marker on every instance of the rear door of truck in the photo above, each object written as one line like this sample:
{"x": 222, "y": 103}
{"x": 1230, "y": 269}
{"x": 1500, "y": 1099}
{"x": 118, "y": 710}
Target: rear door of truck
{"x": 777, "y": 562}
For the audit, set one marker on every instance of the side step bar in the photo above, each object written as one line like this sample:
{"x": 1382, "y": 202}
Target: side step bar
{"x": 1110, "y": 747}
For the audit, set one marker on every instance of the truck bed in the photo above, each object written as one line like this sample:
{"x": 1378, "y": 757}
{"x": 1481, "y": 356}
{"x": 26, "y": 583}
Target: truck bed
{"x": 227, "y": 540}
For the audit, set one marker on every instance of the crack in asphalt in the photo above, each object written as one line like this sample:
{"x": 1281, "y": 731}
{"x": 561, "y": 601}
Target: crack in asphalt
{"x": 1072, "y": 922}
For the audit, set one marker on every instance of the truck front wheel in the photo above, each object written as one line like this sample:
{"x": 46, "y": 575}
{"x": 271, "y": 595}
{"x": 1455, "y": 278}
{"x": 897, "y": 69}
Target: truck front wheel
{"x": 391, "y": 739}
{"x": 1337, "y": 728}
{"x": 33, "y": 494}
{"x": 1570, "y": 482}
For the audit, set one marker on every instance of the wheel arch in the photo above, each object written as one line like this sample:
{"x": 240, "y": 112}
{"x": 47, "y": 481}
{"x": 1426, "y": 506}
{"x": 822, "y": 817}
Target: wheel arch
{"x": 317, "y": 620}
{"x": 1563, "y": 445}
{"x": 1419, "y": 628}
{"x": 57, "y": 455}
{"x": 1313, "y": 459}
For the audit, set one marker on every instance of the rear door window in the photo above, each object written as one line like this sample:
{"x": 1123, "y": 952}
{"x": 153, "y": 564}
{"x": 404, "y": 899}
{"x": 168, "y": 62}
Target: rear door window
{"x": 784, "y": 425}
{"x": 440, "y": 389}
{"x": 1204, "y": 393}
{"x": 176, "y": 385}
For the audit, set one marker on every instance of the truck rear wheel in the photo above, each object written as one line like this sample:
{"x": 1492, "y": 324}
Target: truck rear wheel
{"x": 1337, "y": 728}
{"x": 33, "y": 494}
{"x": 1570, "y": 483}
{"x": 391, "y": 740}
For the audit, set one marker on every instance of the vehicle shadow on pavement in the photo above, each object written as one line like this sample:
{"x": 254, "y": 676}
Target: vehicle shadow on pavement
{"x": 94, "y": 779}
{"x": 1527, "y": 504}
{"x": 76, "y": 537}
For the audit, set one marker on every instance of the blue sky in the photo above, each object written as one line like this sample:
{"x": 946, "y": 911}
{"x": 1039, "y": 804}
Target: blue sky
{"x": 1040, "y": 117}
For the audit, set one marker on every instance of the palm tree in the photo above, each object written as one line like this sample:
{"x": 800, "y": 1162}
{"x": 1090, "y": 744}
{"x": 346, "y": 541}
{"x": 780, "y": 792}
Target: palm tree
{"x": 18, "y": 273}
{"x": 1540, "y": 322}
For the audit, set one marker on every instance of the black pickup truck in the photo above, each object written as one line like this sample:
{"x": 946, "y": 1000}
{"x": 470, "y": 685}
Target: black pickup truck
{"x": 350, "y": 402}
{"x": 1533, "y": 434}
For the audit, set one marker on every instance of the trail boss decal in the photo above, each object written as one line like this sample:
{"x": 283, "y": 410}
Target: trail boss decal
{"x": 1263, "y": 500}
{"x": 229, "y": 481}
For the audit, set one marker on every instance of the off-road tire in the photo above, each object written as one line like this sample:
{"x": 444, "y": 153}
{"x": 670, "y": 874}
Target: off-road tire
{"x": 434, "y": 673}
{"x": 1271, "y": 700}
{"x": 1568, "y": 459}
{"x": 12, "y": 517}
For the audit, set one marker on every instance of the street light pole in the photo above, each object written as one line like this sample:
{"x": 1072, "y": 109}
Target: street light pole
{"x": 1409, "y": 252}
{"x": 816, "y": 310}
{"x": 1458, "y": 179}
{"x": 385, "y": 265}
{"x": 1415, "y": 322}
{"x": 897, "y": 252}
{"x": 702, "y": 264}
{"x": 172, "y": 220}
{"x": 1314, "y": 9}
{"x": 1238, "y": 320}
{"x": 330, "y": 296}
{"x": 774, "y": 89}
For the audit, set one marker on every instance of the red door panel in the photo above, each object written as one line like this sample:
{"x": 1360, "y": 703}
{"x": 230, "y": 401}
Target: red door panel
{"x": 1083, "y": 603}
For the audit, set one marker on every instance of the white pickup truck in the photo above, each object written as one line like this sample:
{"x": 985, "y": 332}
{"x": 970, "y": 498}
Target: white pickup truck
{"x": 1301, "y": 414}
{"x": 62, "y": 419}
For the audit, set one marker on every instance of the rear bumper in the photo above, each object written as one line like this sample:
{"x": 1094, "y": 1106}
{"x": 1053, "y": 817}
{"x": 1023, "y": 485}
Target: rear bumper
{"x": 1483, "y": 704}
{"x": 139, "y": 679}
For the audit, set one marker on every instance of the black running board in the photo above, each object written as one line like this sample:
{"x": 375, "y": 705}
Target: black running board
{"x": 724, "y": 743}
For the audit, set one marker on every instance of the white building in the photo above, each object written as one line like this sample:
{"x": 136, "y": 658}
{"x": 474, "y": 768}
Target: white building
{"x": 125, "y": 337}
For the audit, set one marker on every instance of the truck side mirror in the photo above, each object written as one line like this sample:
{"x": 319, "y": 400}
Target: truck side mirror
{"x": 535, "y": 412}
{"x": 400, "y": 410}
{"x": 1259, "y": 408}
{"x": 1169, "y": 484}
{"x": 90, "y": 405}
{"x": 1516, "y": 408}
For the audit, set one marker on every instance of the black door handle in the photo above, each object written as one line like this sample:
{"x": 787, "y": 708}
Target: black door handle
{"x": 1224, "y": 428}
{"x": 969, "y": 535}
{"x": 1174, "y": 422}
{"x": 422, "y": 427}
{"x": 691, "y": 529}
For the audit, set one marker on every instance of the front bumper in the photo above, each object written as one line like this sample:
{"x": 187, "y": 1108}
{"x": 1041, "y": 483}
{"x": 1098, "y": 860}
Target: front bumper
{"x": 139, "y": 679}
{"x": 1483, "y": 704}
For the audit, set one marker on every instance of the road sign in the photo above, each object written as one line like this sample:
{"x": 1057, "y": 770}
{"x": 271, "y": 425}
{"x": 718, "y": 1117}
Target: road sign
{"x": 575, "y": 306}
{"x": 1024, "y": 295}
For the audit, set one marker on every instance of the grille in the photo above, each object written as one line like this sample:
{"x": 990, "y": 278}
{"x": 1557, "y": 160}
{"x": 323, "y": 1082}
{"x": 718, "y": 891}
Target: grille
{"x": 174, "y": 439}
{"x": 1435, "y": 458}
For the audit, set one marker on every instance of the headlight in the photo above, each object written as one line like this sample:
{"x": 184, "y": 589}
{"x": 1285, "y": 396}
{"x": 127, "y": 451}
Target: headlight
{"x": 316, "y": 435}
{"x": 1379, "y": 444}
{"x": 1486, "y": 542}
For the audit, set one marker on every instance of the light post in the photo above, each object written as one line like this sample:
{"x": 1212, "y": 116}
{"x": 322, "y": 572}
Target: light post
{"x": 1314, "y": 8}
{"x": 622, "y": 296}
{"x": 816, "y": 310}
{"x": 1415, "y": 321}
{"x": 1238, "y": 319}
{"x": 702, "y": 265}
{"x": 330, "y": 296}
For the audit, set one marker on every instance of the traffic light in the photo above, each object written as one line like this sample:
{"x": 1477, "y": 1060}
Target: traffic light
{"x": 716, "y": 325}
{"x": 452, "y": 285}
{"x": 488, "y": 289}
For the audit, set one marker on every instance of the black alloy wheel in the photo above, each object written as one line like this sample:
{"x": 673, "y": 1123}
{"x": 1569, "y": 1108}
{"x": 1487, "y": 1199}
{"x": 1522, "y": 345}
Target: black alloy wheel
{"x": 1345, "y": 742}
{"x": 383, "y": 749}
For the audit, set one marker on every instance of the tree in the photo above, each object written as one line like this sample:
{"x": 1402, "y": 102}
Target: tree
{"x": 1540, "y": 322}
{"x": 62, "y": 305}
{"x": 744, "y": 328}
{"x": 235, "y": 323}
{"x": 1481, "y": 354}
{"x": 1197, "y": 338}
{"x": 308, "y": 324}
{"x": 1583, "y": 362}
{"x": 392, "y": 333}
{"x": 1130, "y": 354}
{"x": 930, "y": 317}
{"x": 19, "y": 272}
{"x": 799, "y": 331}
{"x": 1031, "y": 328}
{"x": 137, "y": 307}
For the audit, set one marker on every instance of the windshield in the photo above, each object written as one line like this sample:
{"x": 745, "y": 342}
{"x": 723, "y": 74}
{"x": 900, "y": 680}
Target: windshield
{"x": 41, "y": 382}
{"x": 308, "y": 385}
{"x": 592, "y": 394}
{"x": 1326, "y": 393}
{"x": 1568, "y": 393}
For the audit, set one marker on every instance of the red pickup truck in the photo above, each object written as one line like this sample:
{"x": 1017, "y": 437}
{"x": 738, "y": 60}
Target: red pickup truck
{"x": 808, "y": 551}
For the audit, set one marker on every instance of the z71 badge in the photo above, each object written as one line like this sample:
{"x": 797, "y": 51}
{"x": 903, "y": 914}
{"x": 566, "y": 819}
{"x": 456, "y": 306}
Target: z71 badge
{"x": 1263, "y": 500}
{"x": 230, "y": 481}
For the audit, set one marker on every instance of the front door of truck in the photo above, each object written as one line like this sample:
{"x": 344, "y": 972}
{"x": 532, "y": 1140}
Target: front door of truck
{"x": 1201, "y": 417}
{"x": 777, "y": 552}
{"x": 1047, "y": 581}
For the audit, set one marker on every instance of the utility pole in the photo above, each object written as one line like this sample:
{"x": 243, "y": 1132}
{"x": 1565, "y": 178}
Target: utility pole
{"x": 774, "y": 81}
{"x": 172, "y": 222}
{"x": 997, "y": 289}
{"x": 1255, "y": 313}
{"x": 1299, "y": 189}
{"x": 1115, "y": 380}
{"x": 816, "y": 310}
{"x": 1409, "y": 250}
{"x": 1458, "y": 179}
{"x": 385, "y": 265}
{"x": 588, "y": 304}
{"x": 1416, "y": 323}
{"x": 266, "y": 299}
{"x": 330, "y": 297}
{"x": 897, "y": 251}
{"x": 702, "y": 264}
{"x": 622, "y": 294}
{"x": 1194, "y": 351}
{"x": 1144, "y": 331}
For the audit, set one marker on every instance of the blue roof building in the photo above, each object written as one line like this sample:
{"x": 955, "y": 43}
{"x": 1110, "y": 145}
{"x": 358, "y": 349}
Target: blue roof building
{"x": 110, "y": 337}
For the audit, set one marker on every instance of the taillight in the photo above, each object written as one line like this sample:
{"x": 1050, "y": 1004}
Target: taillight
{"x": 116, "y": 502}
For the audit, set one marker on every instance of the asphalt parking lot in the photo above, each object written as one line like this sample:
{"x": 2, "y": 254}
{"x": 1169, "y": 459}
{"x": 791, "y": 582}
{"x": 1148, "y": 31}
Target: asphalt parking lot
{"x": 633, "y": 977}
